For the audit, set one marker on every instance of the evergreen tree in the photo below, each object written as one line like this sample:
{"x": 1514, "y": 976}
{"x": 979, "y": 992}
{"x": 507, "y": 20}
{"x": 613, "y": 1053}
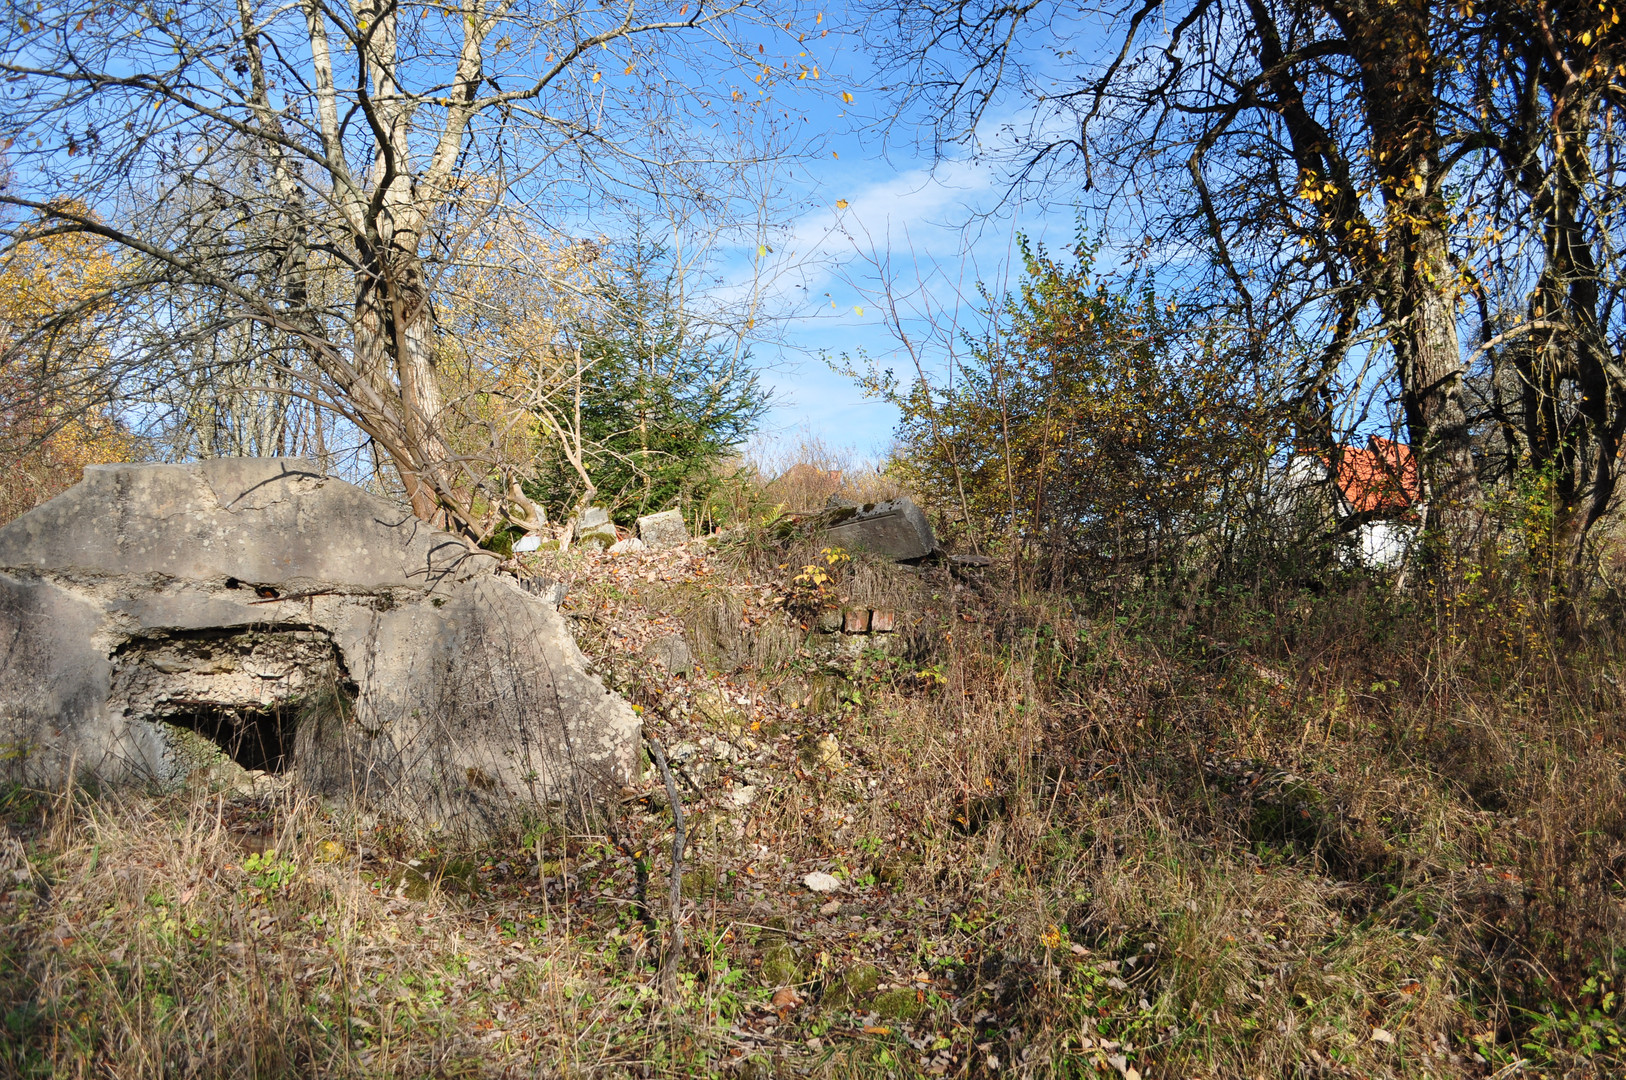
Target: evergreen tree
{"x": 664, "y": 398}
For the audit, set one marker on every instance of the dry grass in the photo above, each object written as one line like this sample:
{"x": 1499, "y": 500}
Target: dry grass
{"x": 1254, "y": 835}
{"x": 802, "y": 473}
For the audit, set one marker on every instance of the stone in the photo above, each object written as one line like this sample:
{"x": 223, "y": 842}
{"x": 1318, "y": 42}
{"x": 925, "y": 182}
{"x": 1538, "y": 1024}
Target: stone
{"x": 703, "y": 761}
{"x": 594, "y": 529}
{"x": 312, "y": 631}
{"x": 821, "y": 752}
{"x": 630, "y": 546}
{"x": 672, "y": 653}
{"x": 780, "y": 966}
{"x": 820, "y": 882}
{"x": 719, "y": 710}
{"x": 896, "y": 529}
{"x": 663, "y": 530}
{"x": 528, "y": 542}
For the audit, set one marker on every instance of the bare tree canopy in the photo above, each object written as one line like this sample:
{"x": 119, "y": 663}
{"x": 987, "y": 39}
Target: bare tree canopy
{"x": 1352, "y": 187}
{"x": 297, "y": 182}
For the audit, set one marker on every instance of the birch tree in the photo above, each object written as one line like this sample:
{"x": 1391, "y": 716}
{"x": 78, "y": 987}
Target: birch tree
{"x": 244, "y": 152}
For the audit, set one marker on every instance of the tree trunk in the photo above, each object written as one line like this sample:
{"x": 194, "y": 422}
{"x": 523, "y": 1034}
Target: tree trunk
{"x": 394, "y": 330}
{"x": 1418, "y": 286}
{"x": 1429, "y": 357}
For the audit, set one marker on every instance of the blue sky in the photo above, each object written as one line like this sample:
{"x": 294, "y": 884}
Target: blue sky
{"x": 921, "y": 218}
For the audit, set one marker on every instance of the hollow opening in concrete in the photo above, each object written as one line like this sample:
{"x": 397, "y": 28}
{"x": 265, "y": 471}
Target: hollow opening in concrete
{"x": 246, "y": 689}
{"x": 254, "y": 738}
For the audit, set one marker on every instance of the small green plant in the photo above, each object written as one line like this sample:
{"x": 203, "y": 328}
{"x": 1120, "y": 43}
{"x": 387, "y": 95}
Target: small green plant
{"x": 268, "y": 873}
{"x": 1590, "y": 1028}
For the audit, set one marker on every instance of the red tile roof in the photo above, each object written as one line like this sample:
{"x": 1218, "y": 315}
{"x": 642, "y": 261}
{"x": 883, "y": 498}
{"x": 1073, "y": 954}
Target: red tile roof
{"x": 1382, "y": 477}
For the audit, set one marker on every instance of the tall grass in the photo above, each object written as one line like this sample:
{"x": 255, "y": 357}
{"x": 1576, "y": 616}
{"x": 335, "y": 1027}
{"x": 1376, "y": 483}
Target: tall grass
{"x": 1319, "y": 828}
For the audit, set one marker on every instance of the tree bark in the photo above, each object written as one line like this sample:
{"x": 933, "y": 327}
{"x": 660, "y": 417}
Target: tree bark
{"x": 1418, "y": 291}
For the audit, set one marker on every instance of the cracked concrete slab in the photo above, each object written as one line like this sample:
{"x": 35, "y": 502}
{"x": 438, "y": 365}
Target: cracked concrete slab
{"x": 306, "y": 626}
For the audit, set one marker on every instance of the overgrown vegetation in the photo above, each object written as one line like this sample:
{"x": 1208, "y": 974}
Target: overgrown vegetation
{"x": 1269, "y": 827}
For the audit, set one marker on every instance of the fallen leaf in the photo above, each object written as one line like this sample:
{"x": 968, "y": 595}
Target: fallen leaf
{"x": 1381, "y": 1036}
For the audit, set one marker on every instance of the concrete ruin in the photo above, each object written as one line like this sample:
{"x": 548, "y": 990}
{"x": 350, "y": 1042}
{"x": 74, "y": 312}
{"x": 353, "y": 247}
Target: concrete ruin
{"x": 306, "y": 627}
{"x": 896, "y": 529}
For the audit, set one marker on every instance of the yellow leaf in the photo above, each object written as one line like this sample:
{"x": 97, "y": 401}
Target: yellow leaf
{"x": 860, "y": 312}
{"x": 629, "y": 69}
{"x": 762, "y": 249}
{"x": 841, "y": 204}
{"x": 848, "y": 98}
{"x": 1586, "y": 38}
{"x": 595, "y": 76}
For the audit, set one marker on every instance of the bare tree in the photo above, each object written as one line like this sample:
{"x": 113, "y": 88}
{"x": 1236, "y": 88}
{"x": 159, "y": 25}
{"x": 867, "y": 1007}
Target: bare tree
{"x": 242, "y": 154}
{"x": 1551, "y": 295}
{"x": 1303, "y": 152}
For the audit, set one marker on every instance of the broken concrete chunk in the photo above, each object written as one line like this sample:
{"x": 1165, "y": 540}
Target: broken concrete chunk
{"x": 819, "y": 881}
{"x": 896, "y": 529}
{"x": 594, "y": 529}
{"x": 308, "y": 629}
{"x": 663, "y": 530}
{"x": 630, "y": 546}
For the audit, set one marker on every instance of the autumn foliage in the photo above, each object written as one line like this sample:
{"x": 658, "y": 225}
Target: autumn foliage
{"x": 1090, "y": 426}
{"x": 52, "y": 335}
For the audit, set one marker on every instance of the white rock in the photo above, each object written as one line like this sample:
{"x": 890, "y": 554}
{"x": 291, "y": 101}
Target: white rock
{"x": 528, "y": 542}
{"x": 663, "y": 530}
{"x": 819, "y": 881}
{"x": 627, "y": 546}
